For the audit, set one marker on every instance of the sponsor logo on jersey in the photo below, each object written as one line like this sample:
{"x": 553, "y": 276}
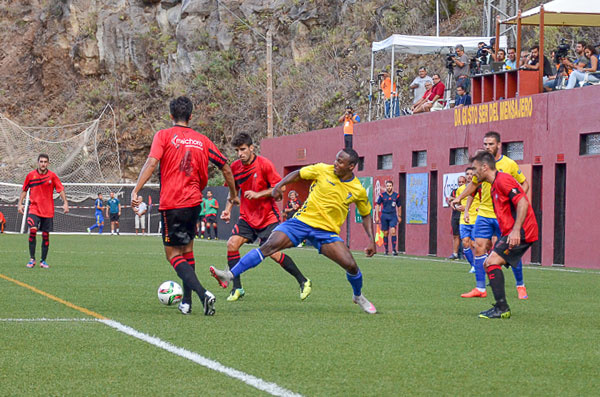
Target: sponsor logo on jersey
{"x": 187, "y": 142}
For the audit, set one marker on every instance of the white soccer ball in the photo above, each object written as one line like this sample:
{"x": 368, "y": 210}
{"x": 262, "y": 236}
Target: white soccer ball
{"x": 170, "y": 293}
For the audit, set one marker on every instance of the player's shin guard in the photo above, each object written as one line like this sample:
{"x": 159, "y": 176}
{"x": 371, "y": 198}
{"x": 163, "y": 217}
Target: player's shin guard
{"x": 289, "y": 266}
{"x": 497, "y": 283}
{"x": 233, "y": 257}
{"x": 32, "y": 235}
{"x": 469, "y": 255}
{"x": 248, "y": 261}
{"x": 385, "y": 243}
{"x": 518, "y": 272}
{"x": 188, "y": 275}
{"x": 356, "y": 281}
{"x": 45, "y": 244}
{"x": 187, "y": 291}
{"x": 480, "y": 271}
{"x": 394, "y": 243}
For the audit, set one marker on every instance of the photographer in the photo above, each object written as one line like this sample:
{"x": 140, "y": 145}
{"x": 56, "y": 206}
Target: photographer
{"x": 460, "y": 67}
{"x": 348, "y": 119}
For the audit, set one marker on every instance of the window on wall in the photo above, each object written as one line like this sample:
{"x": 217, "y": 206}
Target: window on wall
{"x": 419, "y": 158}
{"x": 589, "y": 144}
{"x": 361, "y": 163}
{"x": 459, "y": 156}
{"x": 384, "y": 162}
{"x": 514, "y": 150}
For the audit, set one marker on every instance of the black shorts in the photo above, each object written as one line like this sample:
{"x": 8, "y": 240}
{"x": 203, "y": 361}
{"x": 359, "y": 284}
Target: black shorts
{"x": 455, "y": 222}
{"x": 210, "y": 218}
{"x": 512, "y": 256}
{"x": 114, "y": 217}
{"x": 42, "y": 224}
{"x": 179, "y": 226}
{"x": 243, "y": 229}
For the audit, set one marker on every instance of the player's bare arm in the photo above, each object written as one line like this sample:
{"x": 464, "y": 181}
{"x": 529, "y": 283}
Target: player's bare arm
{"x": 21, "y": 208}
{"x": 368, "y": 226}
{"x": 63, "y": 196}
{"x": 277, "y": 191}
{"x": 525, "y": 186}
{"x": 514, "y": 238}
{"x": 469, "y": 190}
{"x": 145, "y": 174}
{"x": 467, "y": 209}
{"x": 230, "y": 181}
{"x": 252, "y": 195}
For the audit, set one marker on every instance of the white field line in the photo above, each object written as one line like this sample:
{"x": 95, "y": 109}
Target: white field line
{"x": 48, "y": 320}
{"x": 250, "y": 380}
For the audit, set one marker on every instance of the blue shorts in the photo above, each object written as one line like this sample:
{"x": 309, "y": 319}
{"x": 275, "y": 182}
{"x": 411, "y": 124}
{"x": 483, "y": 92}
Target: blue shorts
{"x": 466, "y": 231}
{"x": 388, "y": 220}
{"x": 298, "y": 231}
{"x": 486, "y": 228}
{"x": 99, "y": 218}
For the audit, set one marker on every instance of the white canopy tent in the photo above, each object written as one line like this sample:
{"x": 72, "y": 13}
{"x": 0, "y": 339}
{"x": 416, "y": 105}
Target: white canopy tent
{"x": 562, "y": 13}
{"x": 422, "y": 45}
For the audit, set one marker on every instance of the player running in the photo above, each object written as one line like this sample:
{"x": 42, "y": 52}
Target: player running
{"x": 41, "y": 184}
{"x": 255, "y": 176}
{"x": 183, "y": 155}
{"x": 99, "y": 207}
{"x": 486, "y": 224}
{"x": 391, "y": 210}
{"x": 319, "y": 220}
{"x": 518, "y": 227}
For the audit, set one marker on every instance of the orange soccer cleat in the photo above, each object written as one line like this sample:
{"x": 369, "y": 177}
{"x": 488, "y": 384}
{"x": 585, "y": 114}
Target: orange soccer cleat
{"x": 474, "y": 293}
{"x": 522, "y": 291}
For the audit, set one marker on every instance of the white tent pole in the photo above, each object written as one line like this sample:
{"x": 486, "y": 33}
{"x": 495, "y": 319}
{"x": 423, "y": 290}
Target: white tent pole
{"x": 25, "y": 212}
{"x": 437, "y": 18}
{"x": 392, "y": 86}
{"x": 371, "y": 85}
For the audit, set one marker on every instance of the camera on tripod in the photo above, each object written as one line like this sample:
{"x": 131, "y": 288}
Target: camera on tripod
{"x": 561, "y": 51}
{"x": 450, "y": 59}
{"x": 482, "y": 54}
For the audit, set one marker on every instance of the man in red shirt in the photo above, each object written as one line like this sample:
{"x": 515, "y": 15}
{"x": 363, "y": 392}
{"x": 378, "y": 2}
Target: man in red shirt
{"x": 518, "y": 227}
{"x": 41, "y": 184}
{"x": 256, "y": 176}
{"x": 183, "y": 155}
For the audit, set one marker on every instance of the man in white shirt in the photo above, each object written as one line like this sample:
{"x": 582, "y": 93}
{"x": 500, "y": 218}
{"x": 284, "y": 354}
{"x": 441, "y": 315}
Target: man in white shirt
{"x": 418, "y": 84}
{"x": 140, "y": 216}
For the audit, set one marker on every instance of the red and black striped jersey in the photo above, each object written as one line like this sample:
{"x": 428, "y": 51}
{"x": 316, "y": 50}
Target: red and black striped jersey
{"x": 184, "y": 155}
{"x": 41, "y": 188}
{"x": 257, "y": 176}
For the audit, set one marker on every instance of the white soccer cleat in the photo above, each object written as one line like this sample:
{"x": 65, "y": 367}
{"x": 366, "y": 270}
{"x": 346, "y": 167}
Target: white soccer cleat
{"x": 223, "y": 277}
{"x": 364, "y": 304}
{"x": 209, "y": 304}
{"x": 185, "y": 308}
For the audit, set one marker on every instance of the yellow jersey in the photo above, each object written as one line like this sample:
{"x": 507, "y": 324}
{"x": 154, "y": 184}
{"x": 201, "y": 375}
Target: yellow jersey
{"x": 503, "y": 164}
{"x": 472, "y": 209}
{"x": 327, "y": 204}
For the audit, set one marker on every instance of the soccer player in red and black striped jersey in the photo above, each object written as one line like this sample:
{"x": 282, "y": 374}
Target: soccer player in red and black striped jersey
{"x": 183, "y": 155}
{"x": 41, "y": 184}
{"x": 255, "y": 176}
{"x": 518, "y": 227}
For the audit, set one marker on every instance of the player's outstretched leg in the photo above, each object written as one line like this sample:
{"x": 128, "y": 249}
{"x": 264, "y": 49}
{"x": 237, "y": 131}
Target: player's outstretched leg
{"x": 518, "y": 272}
{"x": 340, "y": 254}
{"x": 45, "y": 247}
{"x": 289, "y": 266}
{"x": 185, "y": 307}
{"x": 237, "y": 292}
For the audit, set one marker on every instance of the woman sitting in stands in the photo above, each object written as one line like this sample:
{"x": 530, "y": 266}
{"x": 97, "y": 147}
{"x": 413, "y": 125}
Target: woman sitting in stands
{"x": 587, "y": 70}
{"x": 432, "y": 94}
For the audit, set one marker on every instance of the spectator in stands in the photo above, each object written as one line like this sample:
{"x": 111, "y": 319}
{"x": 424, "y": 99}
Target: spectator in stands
{"x": 431, "y": 97}
{"x": 511, "y": 60}
{"x": 391, "y": 96}
{"x": 584, "y": 72}
{"x": 462, "y": 98}
{"x": 2, "y": 222}
{"x": 460, "y": 69}
{"x": 424, "y": 98}
{"x": 292, "y": 206}
{"x": 418, "y": 84}
{"x": 349, "y": 118}
{"x": 140, "y": 216}
{"x": 581, "y": 58}
{"x": 532, "y": 62}
{"x": 500, "y": 56}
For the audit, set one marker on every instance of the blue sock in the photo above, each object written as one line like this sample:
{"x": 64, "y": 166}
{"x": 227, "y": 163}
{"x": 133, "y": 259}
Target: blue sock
{"x": 95, "y": 225}
{"x": 101, "y": 227}
{"x": 355, "y": 281}
{"x": 248, "y": 261}
{"x": 469, "y": 255}
{"x": 518, "y": 272}
{"x": 480, "y": 271}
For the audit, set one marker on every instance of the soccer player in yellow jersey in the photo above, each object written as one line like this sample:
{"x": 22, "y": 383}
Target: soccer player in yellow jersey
{"x": 467, "y": 219}
{"x": 486, "y": 225}
{"x": 319, "y": 220}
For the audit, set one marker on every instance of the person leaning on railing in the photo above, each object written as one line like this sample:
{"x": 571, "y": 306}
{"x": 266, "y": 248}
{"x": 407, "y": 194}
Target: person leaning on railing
{"x": 585, "y": 73}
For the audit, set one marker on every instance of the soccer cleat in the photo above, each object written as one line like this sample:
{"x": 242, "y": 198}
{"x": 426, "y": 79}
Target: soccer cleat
{"x": 236, "y": 294}
{"x": 386, "y": 253}
{"x": 89, "y": 230}
{"x": 185, "y": 308}
{"x": 364, "y": 304}
{"x": 395, "y": 253}
{"x": 208, "y": 238}
{"x": 453, "y": 257}
{"x": 472, "y": 269}
{"x": 305, "y": 289}
{"x": 474, "y": 293}
{"x": 223, "y": 277}
{"x": 31, "y": 263}
{"x": 495, "y": 312}
{"x": 209, "y": 304}
{"x": 44, "y": 265}
{"x": 522, "y": 291}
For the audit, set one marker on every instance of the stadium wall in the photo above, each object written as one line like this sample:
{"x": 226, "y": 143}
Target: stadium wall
{"x": 550, "y": 126}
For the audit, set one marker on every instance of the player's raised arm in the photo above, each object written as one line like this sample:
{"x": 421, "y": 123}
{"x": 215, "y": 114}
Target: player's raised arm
{"x": 292, "y": 177}
{"x": 469, "y": 190}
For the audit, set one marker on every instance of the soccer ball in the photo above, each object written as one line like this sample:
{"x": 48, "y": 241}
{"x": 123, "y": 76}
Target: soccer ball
{"x": 170, "y": 293}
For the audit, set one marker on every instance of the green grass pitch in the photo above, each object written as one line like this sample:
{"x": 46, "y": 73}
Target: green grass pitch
{"x": 426, "y": 340}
